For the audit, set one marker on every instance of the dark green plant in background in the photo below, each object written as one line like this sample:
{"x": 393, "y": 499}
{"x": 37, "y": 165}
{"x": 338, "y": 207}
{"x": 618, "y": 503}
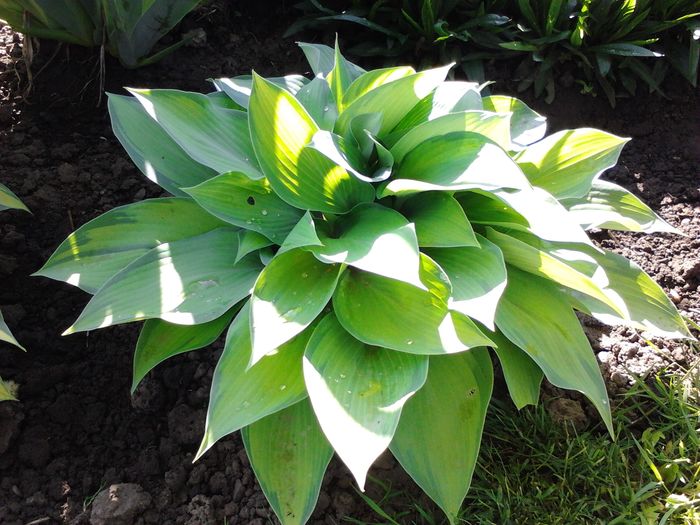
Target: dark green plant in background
{"x": 126, "y": 29}
{"x": 610, "y": 46}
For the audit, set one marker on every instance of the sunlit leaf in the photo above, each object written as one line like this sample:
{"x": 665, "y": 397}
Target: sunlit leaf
{"x": 289, "y": 294}
{"x": 357, "y": 392}
{"x": 105, "y": 245}
{"x": 526, "y": 125}
{"x": 566, "y": 163}
{"x": 173, "y": 282}
{"x": 440, "y": 220}
{"x": 273, "y": 384}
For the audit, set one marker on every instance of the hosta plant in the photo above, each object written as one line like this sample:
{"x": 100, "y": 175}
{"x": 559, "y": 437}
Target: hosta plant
{"x": 364, "y": 238}
{"x": 8, "y": 201}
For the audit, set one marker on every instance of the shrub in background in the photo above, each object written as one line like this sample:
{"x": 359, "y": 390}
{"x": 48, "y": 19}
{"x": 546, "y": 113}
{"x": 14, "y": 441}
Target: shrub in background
{"x": 364, "y": 237}
{"x": 127, "y": 29}
{"x": 8, "y": 201}
{"x": 610, "y": 44}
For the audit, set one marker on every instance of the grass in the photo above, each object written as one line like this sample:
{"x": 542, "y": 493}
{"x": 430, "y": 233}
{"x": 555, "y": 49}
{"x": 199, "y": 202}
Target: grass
{"x": 534, "y": 472}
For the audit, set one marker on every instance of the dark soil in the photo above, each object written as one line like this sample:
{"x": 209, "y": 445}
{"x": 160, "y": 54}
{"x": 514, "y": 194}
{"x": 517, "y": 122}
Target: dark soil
{"x": 77, "y": 429}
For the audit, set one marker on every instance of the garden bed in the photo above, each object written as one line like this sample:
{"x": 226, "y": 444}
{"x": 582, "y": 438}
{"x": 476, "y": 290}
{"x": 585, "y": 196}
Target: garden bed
{"x": 77, "y": 429}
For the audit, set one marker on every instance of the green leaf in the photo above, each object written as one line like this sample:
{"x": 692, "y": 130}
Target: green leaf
{"x": 545, "y": 216}
{"x": 374, "y": 310}
{"x": 448, "y": 97}
{"x": 240, "y": 395}
{"x": 522, "y": 255}
{"x": 448, "y": 414}
{"x": 371, "y": 80}
{"x": 281, "y": 129}
{"x": 440, "y": 220}
{"x": 249, "y": 204}
{"x": 214, "y": 136}
{"x": 393, "y": 100}
{"x": 10, "y": 201}
{"x": 357, "y": 392}
{"x": 375, "y": 239}
{"x": 249, "y": 242}
{"x": 526, "y": 125}
{"x": 321, "y": 58}
{"x": 289, "y": 455}
{"x": 493, "y": 126}
{"x": 6, "y": 334}
{"x": 534, "y": 316}
{"x": 523, "y": 376}
{"x": 176, "y": 283}
{"x": 157, "y": 155}
{"x": 105, "y": 245}
{"x": 460, "y": 160}
{"x": 341, "y": 76}
{"x": 478, "y": 277}
{"x": 612, "y": 207}
{"x": 239, "y": 88}
{"x": 317, "y": 99}
{"x": 289, "y": 294}
{"x": 159, "y": 341}
{"x": 644, "y": 304}
{"x": 566, "y": 163}
{"x": 303, "y": 234}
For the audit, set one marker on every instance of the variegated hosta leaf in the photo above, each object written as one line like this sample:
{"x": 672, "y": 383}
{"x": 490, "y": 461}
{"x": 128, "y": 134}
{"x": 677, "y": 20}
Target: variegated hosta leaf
{"x": 374, "y": 239}
{"x": 439, "y": 219}
{"x": 357, "y": 392}
{"x": 321, "y": 59}
{"x": 371, "y": 80}
{"x": 317, "y": 99}
{"x": 102, "y": 247}
{"x": 545, "y": 216}
{"x": 153, "y": 151}
{"x": 526, "y": 125}
{"x": 448, "y": 97}
{"x": 289, "y": 455}
{"x": 281, "y": 129}
{"x": 460, "y": 160}
{"x": 478, "y": 277}
{"x": 493, "y": 126}
{"x": 533, "y": 315}
{"x": 6, "y": 334}
{"x": 176, "y": 283}
{"x": 249, "y": 242}
{"x": 303, "y": 234}
{"x": 393, "y": 99}
{"x": 239, "y": 88}
{"x": 521, "y": 255}
{"x": 523, "y": 376}
{"x": 246, "y": 203}
{"x": 289, "y": 294}
{"x": 160, "y": 340}
{"x": 374, "y": 310}
{"x": 211, "y": 135}
{"x": 10, "y": 201}
{"x": 438, "y": 437}
{"x": 566, "y": 163}
{"x": 643, "y": 303}
{"x": 341, "y": 77}
{"x": 612, "y": 207}
{"x": 240, "y": 395}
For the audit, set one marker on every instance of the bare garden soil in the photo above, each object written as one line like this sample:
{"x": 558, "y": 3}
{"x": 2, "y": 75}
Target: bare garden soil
{"x": 77, "y": 430}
